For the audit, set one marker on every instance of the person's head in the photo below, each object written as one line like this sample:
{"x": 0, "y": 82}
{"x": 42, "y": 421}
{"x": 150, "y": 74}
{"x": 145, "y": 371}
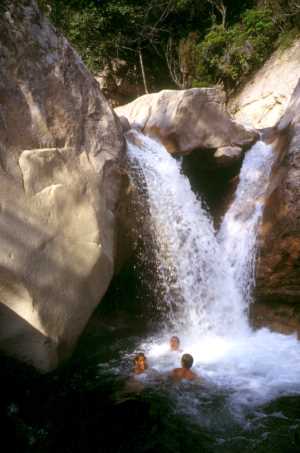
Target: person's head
{"x": 187, "y": 361}
{"x": 174, "y": 343}
{"x": 140, "y": 362}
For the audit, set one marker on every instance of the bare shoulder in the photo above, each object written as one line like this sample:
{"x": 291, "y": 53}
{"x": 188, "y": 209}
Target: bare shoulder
{"x": 176, "y": 373}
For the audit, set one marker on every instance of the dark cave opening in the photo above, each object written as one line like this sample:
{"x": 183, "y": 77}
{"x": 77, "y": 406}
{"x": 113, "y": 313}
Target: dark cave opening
{"x": 213, "y": 183}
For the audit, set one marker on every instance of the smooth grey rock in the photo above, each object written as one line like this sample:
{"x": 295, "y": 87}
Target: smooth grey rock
{"x": 60, "y": 144}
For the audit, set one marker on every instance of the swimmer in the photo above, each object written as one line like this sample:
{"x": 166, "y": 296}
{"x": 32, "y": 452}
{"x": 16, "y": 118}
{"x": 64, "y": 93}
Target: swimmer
{"x": 185, "y": 371}
{"x": 140, "y": 363}
{"x": 134, "y": 384}
{"x": 175, "y": 344}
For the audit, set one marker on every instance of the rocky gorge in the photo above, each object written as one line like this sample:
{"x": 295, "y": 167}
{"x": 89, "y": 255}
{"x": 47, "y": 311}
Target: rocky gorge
{"x": 61, "y": 146}
{"x": 61, "y": 163}
{"x": 270, "y": 102}
{"x": 177, "y": 213}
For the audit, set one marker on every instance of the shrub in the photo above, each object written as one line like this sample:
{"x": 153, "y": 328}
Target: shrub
{"x": 229, "y": 55}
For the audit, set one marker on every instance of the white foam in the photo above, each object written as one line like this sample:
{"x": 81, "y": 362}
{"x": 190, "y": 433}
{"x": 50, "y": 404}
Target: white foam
{"x": 238, "y": 230}
{"x": 213, "y": 278}
{"x": 191, "y": 268}
{"x": 253, "y": 368}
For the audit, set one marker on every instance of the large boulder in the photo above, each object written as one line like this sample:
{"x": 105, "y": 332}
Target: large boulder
{"x": 188, "y": 120}
{"x": 264, "y": 98}
{"x": 59, "y": 150}
{"x": 278, "y": 265}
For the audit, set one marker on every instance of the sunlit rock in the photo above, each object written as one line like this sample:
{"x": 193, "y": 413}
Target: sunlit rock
{"x": 59, "y": 149}
{"x": 263, "y": 100}
{"x": 188, "y": 120}
{"x": 226, "y": 155}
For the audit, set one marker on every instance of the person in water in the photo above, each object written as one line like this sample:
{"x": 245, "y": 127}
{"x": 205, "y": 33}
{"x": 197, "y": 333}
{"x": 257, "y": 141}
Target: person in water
{"x": 140, "y": 363}
{"x": 175, "y": 344}
{"x": 134, "y": 384}
{"x": 185, "y": 371}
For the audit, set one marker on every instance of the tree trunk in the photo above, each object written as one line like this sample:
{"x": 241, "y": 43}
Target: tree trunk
{"x": 222, "y": 10}
{"x": 223, "y": 13}
{"x": 143, "y": 71}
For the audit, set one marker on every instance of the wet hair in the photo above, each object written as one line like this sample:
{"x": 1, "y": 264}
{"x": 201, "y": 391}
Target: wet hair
{"x": 187, "y": 361}
{"x": 137, "y": 356}
{"x": 175, "y": 338}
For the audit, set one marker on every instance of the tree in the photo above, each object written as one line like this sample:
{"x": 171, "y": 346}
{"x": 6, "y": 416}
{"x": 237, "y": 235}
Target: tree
{"x": 173, "y": 42}
{"x": 148, "y": 31}
{"x": 286, "y": 12}
{"x": 221, "y": 8}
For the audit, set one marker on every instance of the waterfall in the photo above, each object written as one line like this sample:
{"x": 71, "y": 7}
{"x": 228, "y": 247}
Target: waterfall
{"x": 190, "y": 265}
{"x": 239, "y": 228}
{"x": 206, "y": 280}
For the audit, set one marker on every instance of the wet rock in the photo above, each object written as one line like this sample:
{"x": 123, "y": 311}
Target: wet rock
{"x": 125, "y": 123}
{"x": 283, "y": 318}
{"x": 188, "y": 120}
{"x": 226, "y": 155}
{"x": 60, "y": 144}
{"x": 278, "y": 264}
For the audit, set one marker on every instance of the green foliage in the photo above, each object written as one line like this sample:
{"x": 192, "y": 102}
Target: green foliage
{"x": 95, "y": 32}
{"x": 3, "y": 6}
{"x": 82, "y": 30}
{"x": 181, "y": 41}
{"x": 230, "y": 55}
{"x": 286, "y": 39}
{"x": 108, "y": 29}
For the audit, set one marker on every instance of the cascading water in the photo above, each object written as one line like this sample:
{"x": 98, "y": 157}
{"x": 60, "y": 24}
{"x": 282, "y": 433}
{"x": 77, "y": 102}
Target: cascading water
{"x": 238, "y": 230}
{"x": 212, "y": 278}
{"x": 190, "y": 265}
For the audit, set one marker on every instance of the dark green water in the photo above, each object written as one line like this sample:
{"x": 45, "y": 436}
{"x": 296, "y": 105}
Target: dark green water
{"x": 83, "y": 407}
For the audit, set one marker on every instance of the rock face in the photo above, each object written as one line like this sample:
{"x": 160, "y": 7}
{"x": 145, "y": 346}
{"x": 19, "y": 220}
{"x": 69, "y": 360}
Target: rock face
{"x": 264, "y": 99}
{"x": 278, "y": 266}
{"x": 188, "y": 120}
{"x": 59, "y": 149}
